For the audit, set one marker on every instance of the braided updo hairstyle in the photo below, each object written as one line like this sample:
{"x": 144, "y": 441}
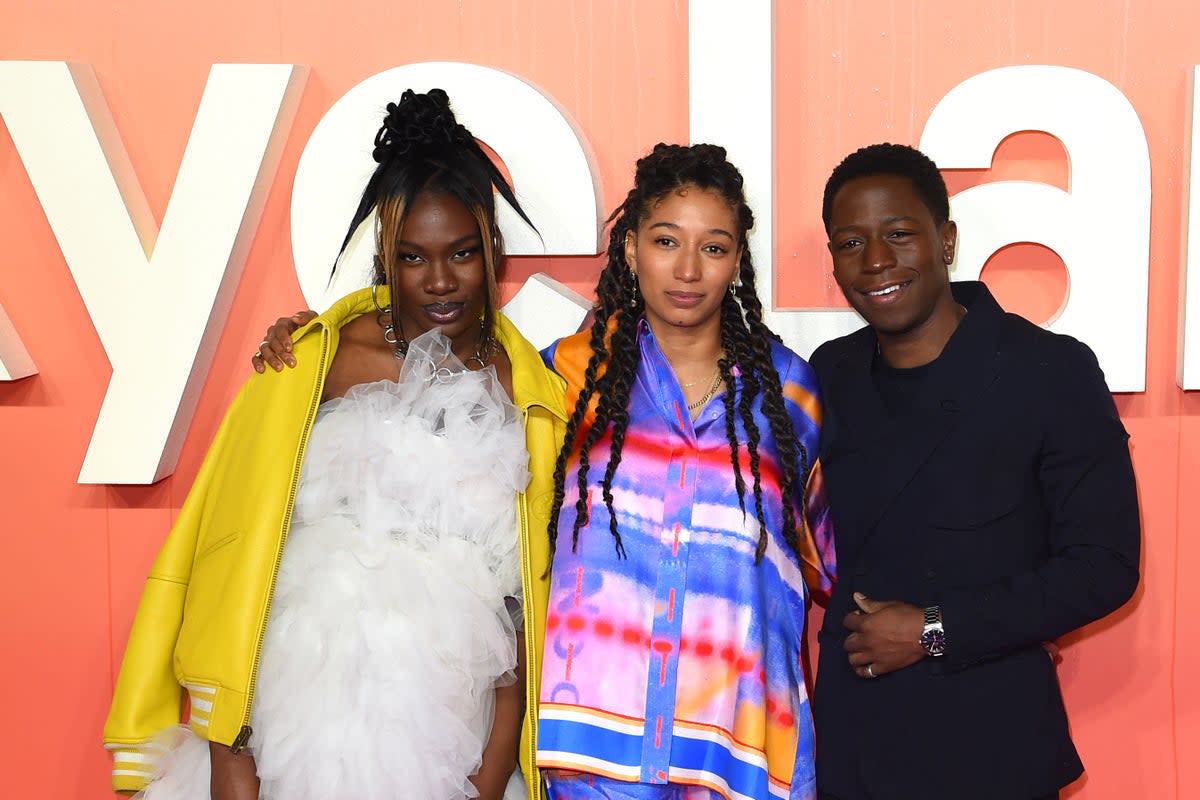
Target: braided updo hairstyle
{"x": 421, "y": 147}
{"x": 613, "y": 364}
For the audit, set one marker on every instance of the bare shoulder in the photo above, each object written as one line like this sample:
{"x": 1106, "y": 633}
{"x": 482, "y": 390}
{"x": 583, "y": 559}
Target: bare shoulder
{"x": 362, "y": 357}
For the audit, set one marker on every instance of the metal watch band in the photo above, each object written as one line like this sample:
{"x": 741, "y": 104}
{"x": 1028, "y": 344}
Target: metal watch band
{"x": 933, "y": 616}
{"x": 933, "y": 636}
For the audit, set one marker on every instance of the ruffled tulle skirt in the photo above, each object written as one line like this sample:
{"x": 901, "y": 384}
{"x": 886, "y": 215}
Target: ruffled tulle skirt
{"x": 392, "y": 619}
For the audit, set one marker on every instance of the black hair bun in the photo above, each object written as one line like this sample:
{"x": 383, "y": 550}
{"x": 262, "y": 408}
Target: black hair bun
{"x": 418, "y": 121}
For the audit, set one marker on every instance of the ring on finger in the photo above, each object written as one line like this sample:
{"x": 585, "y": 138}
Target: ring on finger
{"x": 871, "y": 671}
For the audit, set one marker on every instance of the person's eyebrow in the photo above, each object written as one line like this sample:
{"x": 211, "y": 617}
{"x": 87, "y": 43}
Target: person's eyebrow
{"x": 673, "y": 227}
{"x": 885, "y": 221}
{"x": 471, "y": 237}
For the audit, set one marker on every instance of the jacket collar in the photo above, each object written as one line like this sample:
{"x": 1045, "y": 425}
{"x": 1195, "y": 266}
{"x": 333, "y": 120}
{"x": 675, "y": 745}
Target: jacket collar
{"x": 533, "y": 383}
{"x": 343, "y": 311}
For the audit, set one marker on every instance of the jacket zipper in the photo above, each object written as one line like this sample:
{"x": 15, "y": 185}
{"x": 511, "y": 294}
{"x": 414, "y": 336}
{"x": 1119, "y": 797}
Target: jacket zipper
{"x": 532, "y": 691}
{"x": 244, "y": 734}
{"x": 531, "y": 684}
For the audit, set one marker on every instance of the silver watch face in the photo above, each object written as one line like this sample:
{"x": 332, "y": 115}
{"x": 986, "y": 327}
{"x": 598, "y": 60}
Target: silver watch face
{"x": 934, "y": 641}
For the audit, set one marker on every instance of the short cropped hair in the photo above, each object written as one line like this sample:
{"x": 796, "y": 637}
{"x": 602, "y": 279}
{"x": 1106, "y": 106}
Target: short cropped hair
{"x": 891, "y": 159}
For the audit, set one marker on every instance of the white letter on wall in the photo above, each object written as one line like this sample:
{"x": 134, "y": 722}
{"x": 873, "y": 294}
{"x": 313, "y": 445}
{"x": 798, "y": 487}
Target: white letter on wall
{"x": 550, "y": 166}
{"x": 1100, "y": 228}
{"x": 158, "y": 306}
{"x": 1188, "y": 365}
{"x": 15, "y": 361}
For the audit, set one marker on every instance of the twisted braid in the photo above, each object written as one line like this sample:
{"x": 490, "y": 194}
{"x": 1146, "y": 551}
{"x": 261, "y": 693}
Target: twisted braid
{"x": 735, "y": 353}
{"x": 619, "y": 303}
{"x": 615, "y": 355}
{"x": 791, "y": 449}
{"x": 750, "y": 389}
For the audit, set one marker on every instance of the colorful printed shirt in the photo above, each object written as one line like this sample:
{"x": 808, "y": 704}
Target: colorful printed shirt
{"x": 681, "y": 662}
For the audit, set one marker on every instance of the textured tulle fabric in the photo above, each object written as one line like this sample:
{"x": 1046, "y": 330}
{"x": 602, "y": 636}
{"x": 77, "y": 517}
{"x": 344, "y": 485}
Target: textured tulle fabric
{"x": 391, "y": 623}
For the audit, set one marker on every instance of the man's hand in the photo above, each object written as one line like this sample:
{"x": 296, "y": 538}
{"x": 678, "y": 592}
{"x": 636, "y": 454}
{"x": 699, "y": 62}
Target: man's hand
{"x": 884, "y": 636}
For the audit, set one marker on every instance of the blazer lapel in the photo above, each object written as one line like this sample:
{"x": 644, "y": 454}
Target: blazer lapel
{"x": 871, "y": 456}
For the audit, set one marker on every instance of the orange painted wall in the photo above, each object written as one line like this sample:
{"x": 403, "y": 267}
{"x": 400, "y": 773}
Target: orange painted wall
{"x": 847, "y": 73}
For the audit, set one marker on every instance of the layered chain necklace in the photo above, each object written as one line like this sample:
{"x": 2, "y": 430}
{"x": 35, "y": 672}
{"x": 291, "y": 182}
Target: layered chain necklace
{"x": 712, "y": 390}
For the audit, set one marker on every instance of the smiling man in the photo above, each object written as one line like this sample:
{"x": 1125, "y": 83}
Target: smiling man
{"x": 984, "y": 504}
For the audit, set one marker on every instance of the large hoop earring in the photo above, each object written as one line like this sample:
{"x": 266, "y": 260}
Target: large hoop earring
{"x": 391, "y": 334}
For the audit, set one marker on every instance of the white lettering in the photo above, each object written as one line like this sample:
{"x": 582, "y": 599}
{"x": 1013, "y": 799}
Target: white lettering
{"x": 1100, "y": 228}
{"x": 15, "y": 361}
{"x": 1188, "y": 367}
{"x": 158, "y": 305}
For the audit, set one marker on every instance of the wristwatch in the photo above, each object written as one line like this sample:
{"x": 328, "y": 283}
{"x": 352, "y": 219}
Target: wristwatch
{"x": 933, "y": 635}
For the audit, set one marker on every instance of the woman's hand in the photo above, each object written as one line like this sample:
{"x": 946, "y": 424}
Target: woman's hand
{"x": 276, "y": 347}
{"x": 233, "y": 774}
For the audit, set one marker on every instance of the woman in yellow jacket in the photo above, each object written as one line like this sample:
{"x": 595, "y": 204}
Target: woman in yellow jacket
{"x": 342, "y": 598}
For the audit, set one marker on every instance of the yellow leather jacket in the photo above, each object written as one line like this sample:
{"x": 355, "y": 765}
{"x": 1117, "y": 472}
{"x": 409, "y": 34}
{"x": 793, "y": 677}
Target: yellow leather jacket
{"x": 200, "y": 622}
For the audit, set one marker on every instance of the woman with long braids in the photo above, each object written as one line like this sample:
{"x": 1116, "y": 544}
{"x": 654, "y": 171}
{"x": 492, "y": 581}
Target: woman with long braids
{"x": 341, "y": 597}
{"x": 689, "y": 524}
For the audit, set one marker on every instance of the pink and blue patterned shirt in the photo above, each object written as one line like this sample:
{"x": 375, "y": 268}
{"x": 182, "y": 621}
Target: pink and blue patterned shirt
{"x": 681, "y": 663}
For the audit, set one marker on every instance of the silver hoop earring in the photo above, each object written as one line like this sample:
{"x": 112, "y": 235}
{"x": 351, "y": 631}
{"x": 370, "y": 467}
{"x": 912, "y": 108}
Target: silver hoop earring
{"x": 390, "y": 335}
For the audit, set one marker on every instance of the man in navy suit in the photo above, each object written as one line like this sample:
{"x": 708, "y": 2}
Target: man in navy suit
{"x": 984, "y": 504}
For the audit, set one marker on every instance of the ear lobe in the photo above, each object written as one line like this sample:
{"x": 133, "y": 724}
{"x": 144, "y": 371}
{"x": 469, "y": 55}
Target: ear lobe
{"x": 631, "y": 251}
{"x": 949, "y": 241}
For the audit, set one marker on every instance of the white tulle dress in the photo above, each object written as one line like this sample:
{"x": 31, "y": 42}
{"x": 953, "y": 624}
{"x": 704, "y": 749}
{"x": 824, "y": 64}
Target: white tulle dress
{"x": 393, "y": 615}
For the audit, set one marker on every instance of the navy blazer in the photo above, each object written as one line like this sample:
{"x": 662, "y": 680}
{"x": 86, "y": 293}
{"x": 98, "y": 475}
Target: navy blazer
{"x": 1007, "y": 497}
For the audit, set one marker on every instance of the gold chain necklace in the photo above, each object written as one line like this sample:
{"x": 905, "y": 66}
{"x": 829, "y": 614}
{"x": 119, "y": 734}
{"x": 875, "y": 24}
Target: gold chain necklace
{"x": 716, "y": 372}
{"x": 712, "y": 390}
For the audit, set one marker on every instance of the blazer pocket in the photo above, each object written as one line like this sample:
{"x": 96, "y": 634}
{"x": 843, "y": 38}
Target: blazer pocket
{"x": 973, "y": 510}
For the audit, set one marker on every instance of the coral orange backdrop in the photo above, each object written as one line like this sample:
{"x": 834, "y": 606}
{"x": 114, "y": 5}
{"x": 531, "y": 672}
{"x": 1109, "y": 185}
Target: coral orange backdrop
{"x": 72, "y": 557}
